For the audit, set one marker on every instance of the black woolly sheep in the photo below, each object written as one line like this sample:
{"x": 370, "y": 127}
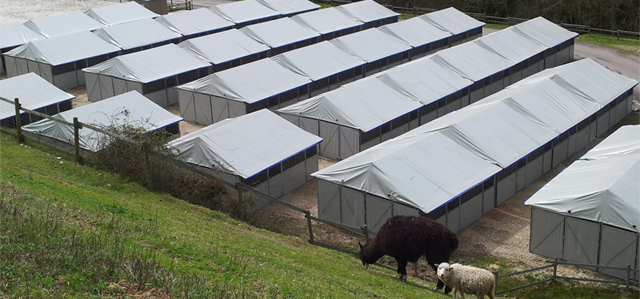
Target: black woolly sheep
{"x": 407, "y": 238}
{"x": 467, "y": 279}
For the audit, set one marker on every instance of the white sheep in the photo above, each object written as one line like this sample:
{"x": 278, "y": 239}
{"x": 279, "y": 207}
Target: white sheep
{"x": 467, "y": 279}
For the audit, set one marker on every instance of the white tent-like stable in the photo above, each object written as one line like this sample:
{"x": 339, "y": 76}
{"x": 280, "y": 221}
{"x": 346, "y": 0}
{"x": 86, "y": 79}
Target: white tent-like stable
{"x": 379, "y": 50}
{"x": 13, "y": 35}
{"x": 281, "y": 35}
{"x": 370, "y": 13}
{"x": 138, "y": 35}
{"x": 34, "y": 93}
{"x": 226, "y": 49}
{"x": 67, "y": 23}
{"x": 240, "y": 90}
{"x": 60, "y": 59}
{"x": 153, "y": 73}
{"x": 457, "y": 23}
{"x": 290, "y": 7}
{"x": 259, "y": 149}
{"x": 559, "y": 40}
{"x": 130, "y": 108}
{"x": 246, "y": 12}
{"x": 328, "y": 22}
{"x": 422, "y": 36}
{"x": 193, "y": 23}
{"x": 590, "y": 212}
{"x": 324, "y": 64}
{"x": 120, "y": 13}
{"x": 381, "y": 113}
{"x": 458, "y": 167}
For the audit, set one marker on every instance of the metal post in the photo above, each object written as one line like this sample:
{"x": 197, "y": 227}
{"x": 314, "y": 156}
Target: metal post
{"x": 308, "y": 215}
{"x": 555, "y": 268}
{"x": 240, "y": 207}
{"x": 147, "y": 163}
{"x": 628, "y": 275}
{"x": 495, "y": 276}
{"x": 18, "y": 121}
{"x": 76, "y": 139}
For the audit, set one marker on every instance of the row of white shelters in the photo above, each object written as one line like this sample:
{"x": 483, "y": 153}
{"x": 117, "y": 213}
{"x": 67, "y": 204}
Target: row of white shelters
{"x": 243, "y": 13}
{"x": 455, "y": 22}
{"x": 458, "y": 167}
{"x": 261, "y": 150}
{"x": 60, "y": 59}
{"x": 239, "y": 91}
{"x": 281, "y": 35}
{"x": 290, "y": 7}
{"x": 446, "y": 81}
{"x": 194, "y": 23}
{"x": 66, "y": 23}
{"x": 590, "y": 212}
{"x": 13, "y": 35}
{"x": 370, "y": 13}
{"x": 110, "y": 15}
{"x": 328, "y": 22}
{"x": 131, "y": 109}
{"x": 33, "y": 93}
{"x": 226, "y": 49}
{"x": 325, "y": 66}
{"x": 138, "y": 35}
{"x": 153, "y": 73}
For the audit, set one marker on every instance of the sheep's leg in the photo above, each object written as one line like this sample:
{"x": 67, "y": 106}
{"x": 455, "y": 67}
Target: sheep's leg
{"x": 402, "y": 269}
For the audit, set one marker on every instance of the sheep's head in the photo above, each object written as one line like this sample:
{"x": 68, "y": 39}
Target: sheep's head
{"x": 444, "y": 271}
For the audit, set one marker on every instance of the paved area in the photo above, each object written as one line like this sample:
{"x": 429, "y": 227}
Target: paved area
{"x": 205, "y": 3}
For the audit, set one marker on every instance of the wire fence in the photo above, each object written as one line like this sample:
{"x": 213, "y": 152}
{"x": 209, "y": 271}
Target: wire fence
{"x": 554, "y": 264}
{"x": 242, "y": 190}
{"x": 581, "y": 29}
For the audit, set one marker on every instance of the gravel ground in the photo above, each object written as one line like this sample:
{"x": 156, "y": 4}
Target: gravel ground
{"x": 25, "y": 10}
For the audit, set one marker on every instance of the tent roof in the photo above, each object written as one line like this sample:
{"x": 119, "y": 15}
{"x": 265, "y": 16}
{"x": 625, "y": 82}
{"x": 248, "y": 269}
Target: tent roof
{"x": 63, "y": 24}
{"x": 120, "y": 13}
{"x": 423, "y": 80}
{"x": 511, "y": 45}
{"x": 472, "y": 61}
{"x": 452, "y": 20}
{"x": 544, "y": 32}
{"x": 366, "y": 11}
{"x": 195, "y": 21}
{"x": 130, "y": 108}
{"x": 33, "y": 91}
{"x": 602, "y": 186}
{"x": 245, "y": 145}
{"x": 135, "y": 34}
{"x": 415, "y": 32}
{"x": 370, "y": 45}
{"x": 325, "y": 20}
{"x": 243, "y": 11}
{"x": 288, "y": 7}
{"x": 143, "y": 66}
{"x": 63, "y": 49}
{"x": 363, "y": 105}
{"x": 223, "y": 46}
{"x": 317, "y": 61}
{"x": 278, "y": 32}
{"x": 248, "y": 83}
{"x": 473, "y": 143}
{"x": 15, "y": 34}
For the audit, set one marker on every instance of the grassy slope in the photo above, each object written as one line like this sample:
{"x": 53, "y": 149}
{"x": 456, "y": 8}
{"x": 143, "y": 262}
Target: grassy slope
{"x": 187, "y": 238}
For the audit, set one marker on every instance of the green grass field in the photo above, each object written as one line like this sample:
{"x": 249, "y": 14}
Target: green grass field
{"x": 68, "y": 230}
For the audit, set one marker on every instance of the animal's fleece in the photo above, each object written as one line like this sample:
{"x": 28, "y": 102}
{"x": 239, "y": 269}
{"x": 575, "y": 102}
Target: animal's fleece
{"x": 407, "y": 238}
{"x": 467, "y": 279}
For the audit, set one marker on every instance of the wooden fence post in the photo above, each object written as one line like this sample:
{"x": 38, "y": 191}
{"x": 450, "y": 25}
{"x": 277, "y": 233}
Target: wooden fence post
{"x": 555, "y": 268}
{"x": 308, "y": 215}
{"x": 495, "y": 276}
{"x": 147, "y": 163}
{"x": 240, "y": 207}
{"x": 415, "y": 269}
{"x": 366, "y": 234}
{"x": 18, "y": 121}
{"x": 76, "y": 139}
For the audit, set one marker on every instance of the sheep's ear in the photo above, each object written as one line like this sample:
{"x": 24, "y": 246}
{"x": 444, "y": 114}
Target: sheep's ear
{"x": 360, "y": 245}
{"x": 436, "y": 265}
